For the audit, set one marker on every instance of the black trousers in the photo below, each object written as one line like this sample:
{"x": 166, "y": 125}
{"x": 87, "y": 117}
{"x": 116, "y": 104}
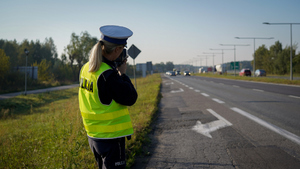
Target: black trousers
{"x": 109, "y": 153}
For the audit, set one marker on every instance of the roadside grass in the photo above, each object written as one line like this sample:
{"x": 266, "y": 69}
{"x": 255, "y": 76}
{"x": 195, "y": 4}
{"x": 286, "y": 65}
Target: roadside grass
{"x": 46, "y": 130}
{"x": 255, "y": 79}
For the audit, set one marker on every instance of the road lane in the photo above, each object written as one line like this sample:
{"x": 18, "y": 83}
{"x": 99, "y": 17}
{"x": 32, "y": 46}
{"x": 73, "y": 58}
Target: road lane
{"x": 244, "y": 144}
{"x": 278, "y": 109}
{"x": 270, "y": 87}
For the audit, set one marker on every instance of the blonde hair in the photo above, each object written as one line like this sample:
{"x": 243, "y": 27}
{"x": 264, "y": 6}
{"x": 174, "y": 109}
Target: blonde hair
{"x": 101, "y": 48}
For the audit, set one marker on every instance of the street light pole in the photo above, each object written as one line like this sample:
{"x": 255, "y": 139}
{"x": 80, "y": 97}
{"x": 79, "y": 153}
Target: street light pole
{"x": 254, "y": 46}
{"x": 205, "y": 58}
{"x": 213, "y": 54}
{"x": 26, "y": 52}
{"x": 222, "y": 57}
{"x": 291, "y": 53}
{"x": 234, "y": 45}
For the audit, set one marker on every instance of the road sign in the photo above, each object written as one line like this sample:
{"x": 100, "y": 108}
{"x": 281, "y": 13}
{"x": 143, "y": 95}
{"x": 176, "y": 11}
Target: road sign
{"x": 133, "y": 51}
{"x": 237, "y": 65}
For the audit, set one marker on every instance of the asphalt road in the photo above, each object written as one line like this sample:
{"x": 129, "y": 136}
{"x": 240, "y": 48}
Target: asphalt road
{"x": 217, "y": 123}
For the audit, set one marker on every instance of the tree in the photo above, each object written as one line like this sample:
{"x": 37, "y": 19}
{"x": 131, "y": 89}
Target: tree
{"x": 260, "y": 54}
{"x": 169, "y": 66}
{"x": 296, "y": 61}
{"x": 44, "y": 73}
{"x": 4, "y": 64}
{"x": 159, "y": 67}
{"x": 78, "y": 50}
{"x": 11, "y": 50}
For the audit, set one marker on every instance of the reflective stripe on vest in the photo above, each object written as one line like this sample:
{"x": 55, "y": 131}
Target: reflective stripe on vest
{"x": 101, "y": 121}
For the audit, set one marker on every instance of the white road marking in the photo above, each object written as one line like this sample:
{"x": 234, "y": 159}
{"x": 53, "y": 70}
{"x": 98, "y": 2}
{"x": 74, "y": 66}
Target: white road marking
{"x": 197, "y": 90}
{"x": 218, "y": 101}
{"x": 191, "y": 88}
{"x": 235, "y": 86}
{"x": 207, "y": 128}
{"x": 297, "y": 97}
{"x": 258, "y": 90}
{"x": 221, "y": 83}
{"x": 204, "y": 94}
{"x": 177, "y": 91}
{"x": 270, "y": 126}
{"x": 169, "y": 83}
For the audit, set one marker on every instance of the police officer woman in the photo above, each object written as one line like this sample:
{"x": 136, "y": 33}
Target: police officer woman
{"x": 105, "y": 92}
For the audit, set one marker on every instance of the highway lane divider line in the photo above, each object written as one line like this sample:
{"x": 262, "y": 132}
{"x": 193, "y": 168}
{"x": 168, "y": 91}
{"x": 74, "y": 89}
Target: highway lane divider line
{"x": 218, "y": 101}
{"x": 197, "y": 90}
{"x": 204, "y": 94}
{"x": 297, "y": 97}
{"x": 191, "y": 88}
{"x": 235, "y": 86}
{"x": 258, "y": 90}
{"x": 169, "y": 83}
{"x": 276, "y": 129}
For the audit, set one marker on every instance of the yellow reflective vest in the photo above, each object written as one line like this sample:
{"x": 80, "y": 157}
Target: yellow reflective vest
{"x": 101, "y": 121}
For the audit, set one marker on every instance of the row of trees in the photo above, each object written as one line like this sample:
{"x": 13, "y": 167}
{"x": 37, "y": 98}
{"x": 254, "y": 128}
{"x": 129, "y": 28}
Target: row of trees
{"x": 276, "y": 59}
{"x": 51, "y": 68}
{"x": 162, "y": 67}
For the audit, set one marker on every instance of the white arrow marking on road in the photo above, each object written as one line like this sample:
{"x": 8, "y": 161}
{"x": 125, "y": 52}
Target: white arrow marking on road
{"x": 207, "y": 128}
{"x": 177, "y": 91}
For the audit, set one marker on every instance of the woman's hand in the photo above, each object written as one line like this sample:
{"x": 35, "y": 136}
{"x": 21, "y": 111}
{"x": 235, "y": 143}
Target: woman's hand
{"x": 122, "y": 68}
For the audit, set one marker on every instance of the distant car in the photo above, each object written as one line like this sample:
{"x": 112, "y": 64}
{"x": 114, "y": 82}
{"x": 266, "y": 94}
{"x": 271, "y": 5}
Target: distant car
{"x": 186, "y": 73}
{"x": 178, "y": 72}
{"x": 245, "y": 72}
{"x": 168, "y": 72}
{"x": 260, "y": 72}
{"x": 172, "y": 74}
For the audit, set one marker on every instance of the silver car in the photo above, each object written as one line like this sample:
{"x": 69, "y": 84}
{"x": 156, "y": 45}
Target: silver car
{"x": 260, "y": 72}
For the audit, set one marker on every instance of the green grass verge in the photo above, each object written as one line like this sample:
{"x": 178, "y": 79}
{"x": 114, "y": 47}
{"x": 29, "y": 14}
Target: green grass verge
{"x": 46, "y": 130}
{"x": 255, "y": 79}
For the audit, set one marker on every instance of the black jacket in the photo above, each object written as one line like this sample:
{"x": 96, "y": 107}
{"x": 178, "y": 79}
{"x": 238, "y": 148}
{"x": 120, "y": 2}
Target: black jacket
{"x": 112, "y": 86}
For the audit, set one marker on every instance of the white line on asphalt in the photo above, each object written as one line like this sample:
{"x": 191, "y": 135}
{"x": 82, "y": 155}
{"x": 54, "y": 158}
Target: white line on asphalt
{"x": 221, "y": 83}
{"x": 204, "y": 94}
{"x": 270, "y": 126}
{"x": 258, "y": 90}
{"x": 297, "y": 97}
{"x": 191, "y": 88}
{"x": 169, "y": 83}
{"x": 177, "y": 91}
{"x": 197, "y": 90}
{"x": 218, "y": 101}
{"x": 218, "y": 116}
{"x": 235, "y": 86}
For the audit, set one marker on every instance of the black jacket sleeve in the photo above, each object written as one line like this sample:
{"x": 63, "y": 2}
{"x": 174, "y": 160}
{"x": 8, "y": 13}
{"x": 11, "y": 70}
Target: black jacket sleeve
{"x": 118, "y": 88}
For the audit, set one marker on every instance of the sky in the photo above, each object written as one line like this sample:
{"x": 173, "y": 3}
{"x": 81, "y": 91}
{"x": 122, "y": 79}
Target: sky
{"x": 180, "y": 31}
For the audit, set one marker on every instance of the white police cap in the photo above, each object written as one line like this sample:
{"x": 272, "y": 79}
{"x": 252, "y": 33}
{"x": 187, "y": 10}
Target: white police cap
{"x": 115, "y": 34}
